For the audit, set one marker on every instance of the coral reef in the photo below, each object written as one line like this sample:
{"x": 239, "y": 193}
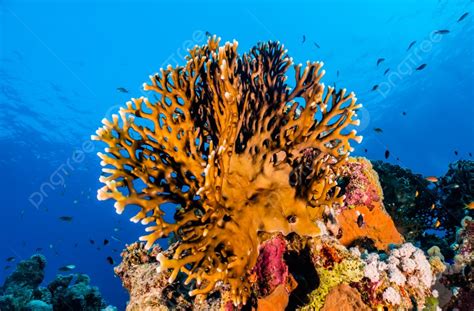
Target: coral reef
{"x": 416, "y": 205}
{"x": 237, "y": 149}
{"x": 270, "y": 212}
{"x": 363, "y": 216}
{"x": 456, "y": 284}
{"x": 22, "y": 290}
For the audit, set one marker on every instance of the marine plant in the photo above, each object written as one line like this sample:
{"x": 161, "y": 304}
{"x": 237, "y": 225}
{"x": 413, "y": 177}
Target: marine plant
{"x": 237, "y": 150}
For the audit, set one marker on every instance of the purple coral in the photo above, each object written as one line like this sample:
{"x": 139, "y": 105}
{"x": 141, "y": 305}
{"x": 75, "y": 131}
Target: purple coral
{"x": 360, "y": 190}
{"x": 271, "y": 269}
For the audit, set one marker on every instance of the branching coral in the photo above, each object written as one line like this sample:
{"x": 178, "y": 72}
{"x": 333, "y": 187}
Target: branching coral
{"x": 237, "y": 149}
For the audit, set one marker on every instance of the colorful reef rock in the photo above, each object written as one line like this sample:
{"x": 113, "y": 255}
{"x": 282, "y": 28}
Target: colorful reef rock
{"x": 269, "y": 211}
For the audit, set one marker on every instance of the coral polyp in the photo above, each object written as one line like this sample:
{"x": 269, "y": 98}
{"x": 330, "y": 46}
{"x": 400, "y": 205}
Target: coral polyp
{"x": 238, "y": 151}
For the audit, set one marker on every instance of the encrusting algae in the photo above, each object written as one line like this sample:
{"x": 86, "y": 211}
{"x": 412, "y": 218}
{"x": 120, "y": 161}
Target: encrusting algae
{"x": 238, "y": 151}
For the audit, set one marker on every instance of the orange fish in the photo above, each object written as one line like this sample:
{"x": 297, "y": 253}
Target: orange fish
{"x": 432, "y": 179}
{"x": 470, "y": 205}
{"x": 437, "y": 224}
{"x": 416, "y": 194}
{"x": 433, "y": 207}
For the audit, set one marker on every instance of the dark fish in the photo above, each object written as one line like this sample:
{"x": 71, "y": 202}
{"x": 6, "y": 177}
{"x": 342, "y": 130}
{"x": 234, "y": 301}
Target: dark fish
{"x": 398, "y": 159}
{"x": 106, "y": 241}
{"x": 380, "y": 60}
{"x": 375, "y": 87}
{"x": 67, "y": 268}
{"x": 122, "y": 89}
{"x": 66, "y": 218}
{"x": 76, "y": 244}
{"x": 470, "y": 154}
{"x": 39, "y": 249}
{"x": 456, "y": 152}
{"x": 10, "y": 259}
{"x": 463, "y": 16}
{"x": 411, "y": 45}
{"x": 7, "y": 267}
{"x": 360, "y": 220}
{"x": 387, "y": 154}
{"x": 442, "y": 32}
{"x": 208, "y": 34}
{"x": 110, "y": 260}
{"x": 378, "y": 130}
{"x": 421, "y": 67}
{"x": 365, "y": 150}
{"x": 386, "y": 71}
{"x": 304, "y": 39}
{"x": 404, "y": 113}
{"x": 337, "y": 73}
{"x": 316, "y": 45}
{"x": 92, "y": 241}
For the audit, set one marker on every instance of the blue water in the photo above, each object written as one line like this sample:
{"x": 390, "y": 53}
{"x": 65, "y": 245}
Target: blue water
{"x": 61, "y": 63}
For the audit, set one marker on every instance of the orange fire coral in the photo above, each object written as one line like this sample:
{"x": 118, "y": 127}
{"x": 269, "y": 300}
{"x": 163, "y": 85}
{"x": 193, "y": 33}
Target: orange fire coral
{"x": 236, "y": 149}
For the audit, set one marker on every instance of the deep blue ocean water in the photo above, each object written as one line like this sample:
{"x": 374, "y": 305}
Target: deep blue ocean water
{"x": 61, "y": 63}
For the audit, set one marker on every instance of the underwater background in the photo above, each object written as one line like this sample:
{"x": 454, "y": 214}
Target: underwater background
{"x": 66, "y": 65}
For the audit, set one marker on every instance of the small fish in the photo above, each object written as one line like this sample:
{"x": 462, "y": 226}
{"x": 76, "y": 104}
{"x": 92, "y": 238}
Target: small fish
{"x": 386, "y": 71}
{"x": 433, "y": 206}
{"x": 7, "y": 267}
{"x": 432, "y": 179}
{"x": 456, "y": 152}
{"x": 39, "y": 249}
{"x": 304, "y": 39}
{"x": 365, "y": 150}
{"x": 122, "y": 89}
{"x": 411, "y": 45}
{"x": 379, "y": 61}
{"x": 463, "y": 16}
{"x": 66, "y": 218}
{"x": 404, "y": 113}
{"x": 337, "y": 73}
{"x": 470, "y": 206}
{"x": 116, "y": 229}
{"x": 360, "y": 220}
{"x": 106, "y": 241}
{"x": 417, "y": 194}
{"x": 115, "y": 239}
{"x": 452, "y": 186}
{"x": 442, "y": 32}
{"x": 316, "y": 45}
{"x": 10, "y": 259}
{"x": 470, "y": 154}
{"x": 421, "y": 67}
{"x": 437, "y": 224}
{"x": 208, "y": 34}
{"x": 375, "y": 87}
{"x": 110, "y": 260}
{"x": 378, "y": 130}
{"x": 92, "y": 241}
{"x": 75, "y": 201}
{"x": 67, "y": 268}
{"x": 387, "y": 154}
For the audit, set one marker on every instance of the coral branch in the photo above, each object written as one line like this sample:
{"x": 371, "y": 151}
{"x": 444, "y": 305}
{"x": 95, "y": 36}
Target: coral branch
{"x": 236, "y": 149}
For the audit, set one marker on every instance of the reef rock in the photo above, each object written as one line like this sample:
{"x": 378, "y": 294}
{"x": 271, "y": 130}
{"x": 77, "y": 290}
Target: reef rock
{"x": 364, "y": 216}
{"x": 21, "y": 290}
{"x": 344, "y": 298}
